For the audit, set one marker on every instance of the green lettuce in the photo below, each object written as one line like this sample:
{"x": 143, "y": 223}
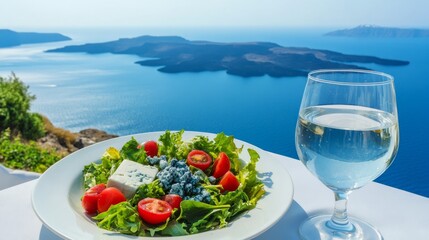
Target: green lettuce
{"x": 131, "y": 152}
{"x": 151, "y": 190}
{"x": 239, "y": 202}
{"x": 248, "y": 178}
{"x": 199, "y": 216}
{"x": 94, "y": 173}
{"x": 224, "y": 143}
{"x": 172, "y": 146}
{"x": 121, "y": 217}
{"x": 174, "y": 228}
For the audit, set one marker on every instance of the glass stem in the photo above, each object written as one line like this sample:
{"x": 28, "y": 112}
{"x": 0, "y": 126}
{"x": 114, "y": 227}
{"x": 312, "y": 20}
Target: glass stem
{"x": 340, "y": 220}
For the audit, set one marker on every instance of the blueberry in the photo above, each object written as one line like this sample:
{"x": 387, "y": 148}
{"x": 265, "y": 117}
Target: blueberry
{"x": 163, "y": 164}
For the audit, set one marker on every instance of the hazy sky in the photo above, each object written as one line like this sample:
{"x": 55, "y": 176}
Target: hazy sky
{"x": 202, "y": 13}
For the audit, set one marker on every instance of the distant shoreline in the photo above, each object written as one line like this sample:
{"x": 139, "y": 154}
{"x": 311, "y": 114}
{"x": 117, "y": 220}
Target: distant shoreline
{"x": 11, "y": 38}
{"x": 364, "y": 31}
{"x": 173, "y": 54}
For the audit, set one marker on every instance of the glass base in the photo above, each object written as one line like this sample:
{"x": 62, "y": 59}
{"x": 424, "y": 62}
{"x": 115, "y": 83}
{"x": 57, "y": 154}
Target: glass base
{"x": 321, "y": 228}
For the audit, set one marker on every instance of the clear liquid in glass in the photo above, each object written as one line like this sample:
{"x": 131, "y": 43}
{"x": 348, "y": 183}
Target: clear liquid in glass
{"x": 346, "y": 146}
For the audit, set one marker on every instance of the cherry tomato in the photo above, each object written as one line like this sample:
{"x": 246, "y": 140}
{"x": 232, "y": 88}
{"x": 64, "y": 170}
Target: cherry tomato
{"x": 90, "y": 198}
{"x": 150, "y": 147}
{"x": 109, "y": 197}
{"x": 173, "y": 199}
{"x": 154, "y": 211}
{"x": 199, "y": 159}
{"x": 221, "y": 165}
{"x": 229, "y": 182}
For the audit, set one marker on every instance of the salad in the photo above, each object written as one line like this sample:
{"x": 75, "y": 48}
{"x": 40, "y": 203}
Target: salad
{"x": 171, "y": 187}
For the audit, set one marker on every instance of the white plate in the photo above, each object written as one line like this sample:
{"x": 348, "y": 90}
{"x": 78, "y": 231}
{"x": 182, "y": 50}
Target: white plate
{"x": 56, "y": 197}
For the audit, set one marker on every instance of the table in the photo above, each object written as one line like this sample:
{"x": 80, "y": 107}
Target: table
{"x": 397, "y": 214}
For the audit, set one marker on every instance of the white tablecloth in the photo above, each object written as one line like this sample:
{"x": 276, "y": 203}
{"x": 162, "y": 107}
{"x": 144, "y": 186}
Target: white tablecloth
{"x": 399, "y": 215}
{"x": 10, "y": 177}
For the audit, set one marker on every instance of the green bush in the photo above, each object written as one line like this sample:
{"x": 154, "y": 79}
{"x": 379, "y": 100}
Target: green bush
{"x": 14, "y": 110}
{"x": 33, "y": 127}
{"x": 17, "y": 155}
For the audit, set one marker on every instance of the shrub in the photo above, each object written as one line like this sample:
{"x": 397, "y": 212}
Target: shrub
{"x": 30, "y": 157}
{"x": 32, "y": 126}
{"x": 14, "y": 110}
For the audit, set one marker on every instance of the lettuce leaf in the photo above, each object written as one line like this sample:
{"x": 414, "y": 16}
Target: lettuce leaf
{"x": 249, "y": 181}
{"x": 239, "y": 202}
{"x": 131, "y": 152}
{"x": 152, "y": 229}
{"x": 151, "y": 190}
{"x": 121, "y": 217}
{"x": 201, "y": 216}
{"x": 170, "y": 144}
{"x": 169, "y": 228}
{"x": 174, "y": 228}
{"x": 94, "y": 173}
{"x": 224, "y": 143}
{"x": 246, "y": 196}
{"x": 202, "y": 143}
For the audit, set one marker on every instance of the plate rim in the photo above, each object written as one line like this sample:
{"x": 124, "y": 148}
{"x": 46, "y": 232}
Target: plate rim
{"x": 122, "y": 139}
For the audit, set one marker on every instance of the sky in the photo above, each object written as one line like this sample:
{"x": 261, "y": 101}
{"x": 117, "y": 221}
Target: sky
{"x": 213, "y": 13}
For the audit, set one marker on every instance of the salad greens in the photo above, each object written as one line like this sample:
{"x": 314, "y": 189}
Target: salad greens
{"x": 201, "y": 216}
{"x": 192, "y": 216}
{"x": 251, "y": 185}
{"x": 94, "y": 173}
{"x": 131, "y": 151}
{"x": 174, "y": 147}
{"x": 151, "y": 190}
{"x": 122, "y": 217}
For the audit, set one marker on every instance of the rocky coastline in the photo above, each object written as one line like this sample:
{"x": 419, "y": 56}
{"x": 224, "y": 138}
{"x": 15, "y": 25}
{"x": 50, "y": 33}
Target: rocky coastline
{"x": 65, "y": 142}
{"x": 83, "y": 139}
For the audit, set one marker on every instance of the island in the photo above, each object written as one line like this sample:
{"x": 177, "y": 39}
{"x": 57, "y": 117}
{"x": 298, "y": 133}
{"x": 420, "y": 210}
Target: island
{"x": 9, "y": 38}
{"x": 174, "y": 54}
{"x": 380, "y": 32}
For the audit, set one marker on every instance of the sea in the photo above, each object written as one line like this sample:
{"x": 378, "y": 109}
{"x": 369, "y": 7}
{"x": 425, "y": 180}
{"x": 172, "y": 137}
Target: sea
{"x": 110, "y": 92}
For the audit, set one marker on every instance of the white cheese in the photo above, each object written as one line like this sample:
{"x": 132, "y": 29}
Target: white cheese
{"x": 130, "y": 175}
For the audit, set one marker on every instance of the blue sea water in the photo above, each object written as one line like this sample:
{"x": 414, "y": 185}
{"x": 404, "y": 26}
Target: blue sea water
{"x": 110, "y": 92}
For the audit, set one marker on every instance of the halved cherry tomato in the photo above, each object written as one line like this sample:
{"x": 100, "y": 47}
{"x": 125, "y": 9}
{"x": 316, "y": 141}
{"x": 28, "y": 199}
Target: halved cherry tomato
{"x": 150, "y": 147}
{"x": 229, "y": 182}
{"x": 173, "y": 199}
{"x": 90, "y": 198}
{"x": 109, "y": 197}
{"x": 154, "y": 211}
{"x": 199, "y": 159}
{"x": 221, "y": 165}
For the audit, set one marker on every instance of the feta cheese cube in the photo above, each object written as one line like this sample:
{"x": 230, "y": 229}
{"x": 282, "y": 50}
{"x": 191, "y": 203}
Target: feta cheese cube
{"x": 130, "y": 175}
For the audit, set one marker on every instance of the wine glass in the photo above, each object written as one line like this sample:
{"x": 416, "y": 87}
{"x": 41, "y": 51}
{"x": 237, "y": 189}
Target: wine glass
{"x": 347, "y": 135}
